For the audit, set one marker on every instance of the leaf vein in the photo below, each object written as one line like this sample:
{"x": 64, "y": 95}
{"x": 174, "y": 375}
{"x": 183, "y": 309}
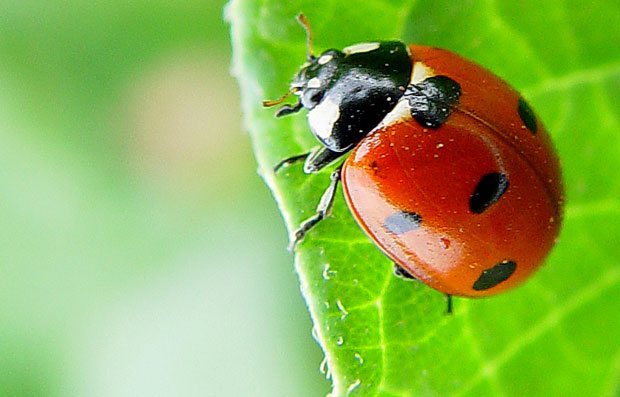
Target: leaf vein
{"x": 582, "y": 297}
{"x": 570, "y": 80}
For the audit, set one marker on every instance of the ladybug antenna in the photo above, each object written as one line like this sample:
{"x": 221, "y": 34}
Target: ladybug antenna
{"x": 278, "y": 101}
{"x": 303, "y": 21}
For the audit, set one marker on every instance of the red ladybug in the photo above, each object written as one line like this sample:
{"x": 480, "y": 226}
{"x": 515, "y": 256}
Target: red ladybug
{"x": 448, "y": 169}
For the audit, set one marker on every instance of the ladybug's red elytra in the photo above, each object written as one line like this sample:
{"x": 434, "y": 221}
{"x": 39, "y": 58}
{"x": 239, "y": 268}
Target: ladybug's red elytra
{"x": 448, "y": 170}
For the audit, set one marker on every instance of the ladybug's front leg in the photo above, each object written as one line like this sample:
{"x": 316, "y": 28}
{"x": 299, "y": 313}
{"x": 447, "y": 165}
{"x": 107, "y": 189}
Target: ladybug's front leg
{"x": 322, "y": 210}
{"x": 291, "y": 160}
{"x": 314, "y": 161}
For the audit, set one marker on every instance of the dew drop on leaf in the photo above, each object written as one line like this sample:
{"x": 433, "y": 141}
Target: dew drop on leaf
{"x": 353, "y": 386}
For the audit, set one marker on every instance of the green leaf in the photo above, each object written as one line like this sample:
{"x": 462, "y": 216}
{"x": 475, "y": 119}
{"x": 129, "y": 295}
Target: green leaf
{"x": 558, "y": 334}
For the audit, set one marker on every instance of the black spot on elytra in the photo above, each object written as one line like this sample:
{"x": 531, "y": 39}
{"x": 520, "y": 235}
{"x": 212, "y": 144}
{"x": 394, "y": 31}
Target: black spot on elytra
{"x": 402, "y": 222}
{"x": 488, "y": 190}
{"x": 527, "y": 116}
{"x": 433, "y": 100}
{"x": 495, "y": 275}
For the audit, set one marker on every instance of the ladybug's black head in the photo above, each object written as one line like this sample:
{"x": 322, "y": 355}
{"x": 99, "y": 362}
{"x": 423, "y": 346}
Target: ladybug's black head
{"x": 312, "y": 80}
{"x": 348, "y": 92}
{"x": 315, "y": 77}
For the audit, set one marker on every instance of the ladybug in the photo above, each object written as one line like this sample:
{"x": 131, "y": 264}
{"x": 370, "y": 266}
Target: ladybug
{"x": 447, "y": 169}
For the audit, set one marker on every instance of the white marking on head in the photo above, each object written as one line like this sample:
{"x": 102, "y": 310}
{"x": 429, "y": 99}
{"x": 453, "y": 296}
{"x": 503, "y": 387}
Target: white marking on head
{"x": 314, "y": 83}
{"x": 325, "y": 58}
{"x": 421, "y": 72}
{"x": 361, "y": 47}
{"x": 323, "y": 117}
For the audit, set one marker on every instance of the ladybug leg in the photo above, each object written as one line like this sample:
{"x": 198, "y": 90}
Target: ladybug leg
{"x": 400, "y": 272}
{"x": 322, "y": 210}
{"x": 287, "y": 109}
{"x": 314, "y": 160}
{"x": 449, "y": 301}
{"x": 290, "y": 160}
{"x": 319, "y": 159}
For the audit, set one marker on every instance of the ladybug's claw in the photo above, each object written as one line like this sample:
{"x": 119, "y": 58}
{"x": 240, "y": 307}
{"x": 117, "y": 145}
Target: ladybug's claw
{"x": 322, "y": 210}
{"x": 293, "y": 244}
{"x": 300, "y": 233}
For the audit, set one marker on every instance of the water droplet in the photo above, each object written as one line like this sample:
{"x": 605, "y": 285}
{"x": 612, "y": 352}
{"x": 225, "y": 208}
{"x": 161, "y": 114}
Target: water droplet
{"x": 342, "y": 309}
{"x": 327, "y": 273}
{"x": 353, "y": 386}
{"x": 359, "y": 358}
{"x": 340, "y": 341}
{"x": 323, "y": 367}
{"x": 315, "y": 334}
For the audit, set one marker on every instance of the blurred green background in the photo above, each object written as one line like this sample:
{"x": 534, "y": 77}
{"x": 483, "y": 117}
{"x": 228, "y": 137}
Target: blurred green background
{"x": 141, "y": 253}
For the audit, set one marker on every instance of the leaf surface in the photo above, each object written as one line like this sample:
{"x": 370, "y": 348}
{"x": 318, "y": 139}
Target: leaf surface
{"x": 559, "y": 334}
